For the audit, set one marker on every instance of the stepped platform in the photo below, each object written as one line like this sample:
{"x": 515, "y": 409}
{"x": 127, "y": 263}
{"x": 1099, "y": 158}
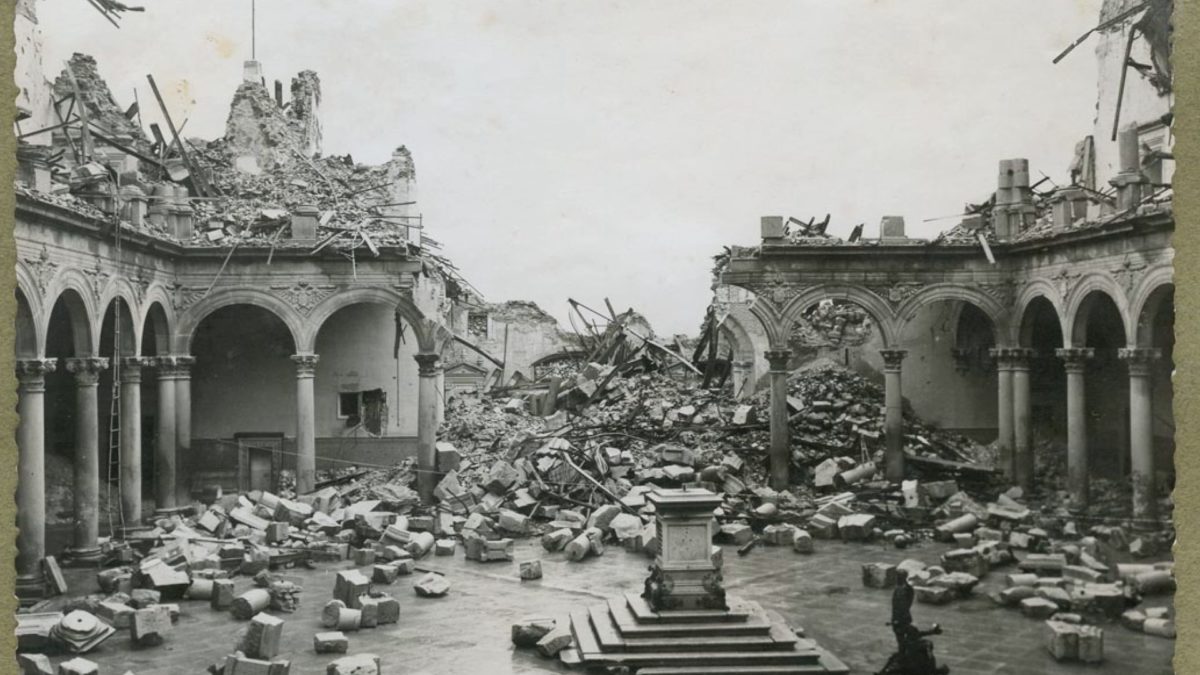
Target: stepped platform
{"x": 744, "y": 639}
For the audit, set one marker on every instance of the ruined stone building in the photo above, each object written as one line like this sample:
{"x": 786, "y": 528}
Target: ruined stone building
{"x": 1045, "y": 316}
{"x": 216, "y": 313}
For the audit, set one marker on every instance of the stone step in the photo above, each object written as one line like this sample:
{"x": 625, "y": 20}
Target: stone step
{"x": 778, "y": 638}
{"x": 639, "y": 660}
{"x": 739, "y": 611}
{"x": 735, "y": 670}
{"x": 628, "y": 625}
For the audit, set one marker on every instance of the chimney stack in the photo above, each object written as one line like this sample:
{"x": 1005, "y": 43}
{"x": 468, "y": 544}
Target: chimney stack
{"x": 772, "y": 229}
{"x": 1130, "y": 180}
{"x": 1013, "y": 210}
{"x": 304, "y": 222}
{"x": 252, "y": 72}
{"x": 891, "y": 230}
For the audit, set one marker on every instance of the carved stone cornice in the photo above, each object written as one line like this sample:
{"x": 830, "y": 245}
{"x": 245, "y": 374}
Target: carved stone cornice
{"x": 174, "y": 366}
{"x": 1140, "y": 360}
{"x": 87, "y": 369}
{"x": 892, "y": 358}
{"x": 31, "y": 373}
{"x": 778, "y": 359}
{"x": 304, "y": 296}
{"x": 306, "y": 364}
{"x": 427, "y": 364}
{"x": 1075, "y": 358}
{"x": 1011, "y": 358}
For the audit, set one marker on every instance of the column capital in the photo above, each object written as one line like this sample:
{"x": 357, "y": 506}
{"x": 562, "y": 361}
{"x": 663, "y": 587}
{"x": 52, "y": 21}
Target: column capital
{"x": 1139, "y": 359}
{"x": 31, "y": 373}
{"x": 1075, "y": 358}
{"x": 306, "y": 364}
{"x": 131, "y": 368}
{"x": 892, "y": 358}
{"x": 87, "y": 369}
{"x": 172, "y": 366}
{"x": 427, "y": 364}
{"x": 778, "y": 358}
{"x": 1011, "y": 357}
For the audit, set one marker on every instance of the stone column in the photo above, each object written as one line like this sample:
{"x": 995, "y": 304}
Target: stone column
{"x": 31, "y": 477}
{"x": 164, "y": 443}
{"x": 1141, "y": 429}
{"x": 131, "y": 439}
{"x": 781, "y": 444}
{"x": 1075, "y": 363}
{"x": 427, "y": 412}
{"x": 183, "y": 408}
{"x": 306, "y": 436}
{"x": 86, "y": 548}
{"x": 1004, "y": 414}
{"x": 893, "y": 421}
{"x": 1022, "y": 412}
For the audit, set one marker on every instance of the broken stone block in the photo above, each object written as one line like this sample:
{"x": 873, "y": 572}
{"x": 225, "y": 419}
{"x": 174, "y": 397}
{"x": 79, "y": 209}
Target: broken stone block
{"x": 388, "y": 608}
{"x": 603, "y": 516}
{"x": 738, "y": 534}
{"x": 277, "y": 532}
{"x": 151, "y": 625}
{"x": 358, "y": 664}
{"x": 531, "y": 569}
{"x": 332, "y": 642}
{"x": 1043, "y": 563}
{"x": 78, "y": 666}
{"x": 1091, "y": 644}
{"x": 201, "y": 589}
{"x": 364, "y": 556}
{"x": 878, "y": 575}
{"x": 141, "y": 598}
{"x": 500, "y": 477}
{"x": 856, "y": 527}
{"x": 1058, "y": 596}
{"x": 499, "y": 550}
{"x": 384, "y": 574}
{"x": 595, "y": 540}
{"x": 444, "y": 547}
{"x": 349, "y": 586}
{"x": 964, "y": 523}
{"x": 802, "y": 541}
{"x": 222, "y": 594}
{"x": 109, "y": 579}
{"x": 432, "y": 586}
{"x": 558, "y": 639}
{"x": 250, "y": 603}
{"x": 556, "y": 540}
{"x": 528, "y": 632}
{"x": 578, "y": 548}
{"x": 511, "y": 521}
{"x": 35, "y": 664}
{"x": 1021, "y": 579}
{"x": 420, "y": 544}
{"x": 1133, "y": 619}
{"x": 1038, "y": 608}
{"x": 1062, "y": 640}
{"x": 933, "y": 595}
{"x": 967, "y": 560}
{"x": 1098, "y": 599}
{"x": 625, "y": 525}
{"x": 1081, "y": 573}
{"x": 823, "y": 527}
{"x": 118, "y": 615}
{"x": 405, "y": 567}
{"x": 262, "y": 637}
{"x": 369, "y": 608}
{"x": 959, "y": 582}
{"x": 338, "y": 616}
{"x": 1159, "y": 628}
{"x": 1157, "y": 582}
{"x": 1013, "y": 595}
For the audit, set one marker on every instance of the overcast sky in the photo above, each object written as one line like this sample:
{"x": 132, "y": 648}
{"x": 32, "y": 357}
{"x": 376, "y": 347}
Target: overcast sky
{"x": 588, "y": 149}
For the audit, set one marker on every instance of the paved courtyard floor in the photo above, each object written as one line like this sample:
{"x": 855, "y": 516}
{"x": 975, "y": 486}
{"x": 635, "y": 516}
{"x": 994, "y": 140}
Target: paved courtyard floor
{"x": 467, "y": 631}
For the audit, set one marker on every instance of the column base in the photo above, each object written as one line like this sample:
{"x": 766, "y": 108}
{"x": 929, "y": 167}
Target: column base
{"x": 82, "y": 557}
{"x": 30, "y": 589}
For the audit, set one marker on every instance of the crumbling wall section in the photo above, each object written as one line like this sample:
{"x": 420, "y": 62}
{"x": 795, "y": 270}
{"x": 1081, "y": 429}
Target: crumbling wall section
{"x": 102, "y": 108}
{"x": 304, "y": 112}
{"x": 517, "y": 332}
{"x": 258, "y": 136}
{"x": 35, "y": 99}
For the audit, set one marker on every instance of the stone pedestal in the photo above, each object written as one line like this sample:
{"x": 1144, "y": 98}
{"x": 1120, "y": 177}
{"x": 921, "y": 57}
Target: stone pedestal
{"x": 684, "y": 575}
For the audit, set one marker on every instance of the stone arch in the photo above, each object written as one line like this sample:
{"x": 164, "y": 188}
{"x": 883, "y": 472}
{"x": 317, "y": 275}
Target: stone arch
{"x": 1039, "y": 288}
{"x": 878, "y": 308}
{"x": 944, "y": 292}
{"x": 775, "y": 324}
{"x": 743, "y": 342}
{"x": 191, "y": 318}
{"x": 26, "y": 341}
{"x": 1078, "y": 305}
{"x": 73, "y": 287}
{"x": 156, "y": 316}
{"x": 125, "y": 317}
{"x": 36, "y": 309}
{"x": 1155, "y": 287}
{"x": 428, "y": 338}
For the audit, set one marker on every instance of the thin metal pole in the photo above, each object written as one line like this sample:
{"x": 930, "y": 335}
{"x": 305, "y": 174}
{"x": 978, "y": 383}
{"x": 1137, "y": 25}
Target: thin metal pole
{"x": 253, "y": 31}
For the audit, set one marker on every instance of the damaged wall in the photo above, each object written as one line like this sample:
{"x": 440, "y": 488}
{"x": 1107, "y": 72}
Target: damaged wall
{"x": 532, "y": 334}
{"x": 34, "y": 96}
